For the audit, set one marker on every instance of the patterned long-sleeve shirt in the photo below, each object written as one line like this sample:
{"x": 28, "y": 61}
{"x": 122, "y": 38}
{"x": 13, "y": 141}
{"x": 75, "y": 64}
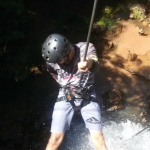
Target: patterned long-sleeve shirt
{"x": 69, "y": 74}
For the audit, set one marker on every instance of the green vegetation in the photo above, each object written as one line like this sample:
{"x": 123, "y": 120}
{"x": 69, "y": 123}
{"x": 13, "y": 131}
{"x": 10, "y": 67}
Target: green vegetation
{"x": 108, "y": 20}
{"x": 137, "y": 13}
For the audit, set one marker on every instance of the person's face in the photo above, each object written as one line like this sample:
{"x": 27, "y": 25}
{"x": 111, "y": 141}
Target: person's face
{"x": 68, "y": 57}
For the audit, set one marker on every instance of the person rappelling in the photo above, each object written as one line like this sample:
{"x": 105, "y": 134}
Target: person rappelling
{"x": 73, "y": 66}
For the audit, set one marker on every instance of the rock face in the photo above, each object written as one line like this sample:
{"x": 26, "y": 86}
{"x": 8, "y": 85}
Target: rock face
{"x": 113, "y": 100}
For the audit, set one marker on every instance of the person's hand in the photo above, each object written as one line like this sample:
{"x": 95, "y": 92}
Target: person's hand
{"x": 84, "y": 66}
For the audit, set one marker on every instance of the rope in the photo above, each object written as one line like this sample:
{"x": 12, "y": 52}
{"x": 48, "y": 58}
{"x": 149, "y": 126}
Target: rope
{"x": 88, "y": 37}
{"x": 90, "y": 29}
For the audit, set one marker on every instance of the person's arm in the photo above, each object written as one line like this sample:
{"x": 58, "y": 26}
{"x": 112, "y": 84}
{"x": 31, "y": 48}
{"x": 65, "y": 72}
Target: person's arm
{"x": 95, "y": 65}
{"x": 91, "y": 63}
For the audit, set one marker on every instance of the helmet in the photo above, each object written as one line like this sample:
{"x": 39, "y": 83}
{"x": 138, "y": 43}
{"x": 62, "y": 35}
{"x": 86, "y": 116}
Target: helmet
{"x": 55, "y": 48}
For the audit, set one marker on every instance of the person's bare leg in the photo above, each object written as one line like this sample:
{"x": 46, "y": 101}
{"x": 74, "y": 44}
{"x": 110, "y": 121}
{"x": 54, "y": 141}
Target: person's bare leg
{"x": 98, "y": 140}
{"x": 55, "y": 141}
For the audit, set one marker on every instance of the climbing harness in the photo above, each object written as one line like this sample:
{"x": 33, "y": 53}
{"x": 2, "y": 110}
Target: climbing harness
{"x": 76, "y": 95}
{"x": 81, "y": 97}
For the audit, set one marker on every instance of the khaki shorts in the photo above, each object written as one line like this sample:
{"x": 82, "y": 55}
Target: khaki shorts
{"x": 63, "y": 114}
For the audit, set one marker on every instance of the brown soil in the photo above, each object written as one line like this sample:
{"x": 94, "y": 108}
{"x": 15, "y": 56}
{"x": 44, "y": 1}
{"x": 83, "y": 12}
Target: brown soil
{"x": 131, "y": 50}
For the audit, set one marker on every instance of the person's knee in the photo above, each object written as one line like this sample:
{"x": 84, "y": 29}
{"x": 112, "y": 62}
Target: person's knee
{"x": 55, "y": 139}
{"x": 97, "y": 135}
{"x": 98, "y": 140}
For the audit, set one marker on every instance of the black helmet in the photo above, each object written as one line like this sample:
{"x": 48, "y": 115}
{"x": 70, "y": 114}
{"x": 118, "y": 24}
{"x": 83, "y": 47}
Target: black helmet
{"x": 55, "y": 48}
